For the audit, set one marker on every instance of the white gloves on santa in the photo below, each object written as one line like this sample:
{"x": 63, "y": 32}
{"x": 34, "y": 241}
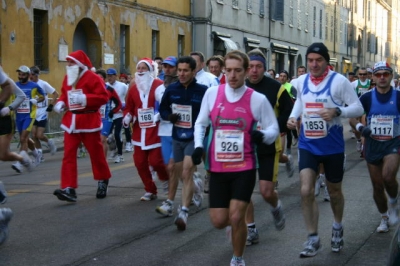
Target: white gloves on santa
{"x": 59, "y": 107}
{"x": 127, "y": 120}
{"x": 156, "y": 118}
{"x": 79, "y": 99}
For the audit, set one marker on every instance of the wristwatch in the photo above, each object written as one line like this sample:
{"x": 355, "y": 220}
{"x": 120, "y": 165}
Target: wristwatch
{"x": 338, "y": 111}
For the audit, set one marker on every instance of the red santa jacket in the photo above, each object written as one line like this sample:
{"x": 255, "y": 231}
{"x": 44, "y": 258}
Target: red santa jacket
{"x": 87, "y": 119}
{"x": 146, "y": 138}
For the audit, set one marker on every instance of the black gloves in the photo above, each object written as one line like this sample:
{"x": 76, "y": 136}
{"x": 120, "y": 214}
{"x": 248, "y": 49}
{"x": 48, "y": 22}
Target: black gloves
{"x": 196, "y": 156}
{"x": 110, "y": 114}
{"x": 257, "y": 137}
{"x": 365, "y": 131}
{"x": 173, "y": 118}
{"x": 49, "y": 108}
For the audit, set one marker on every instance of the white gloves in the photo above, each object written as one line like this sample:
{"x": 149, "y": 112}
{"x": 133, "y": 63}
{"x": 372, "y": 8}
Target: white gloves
{"x": 127, "y": 120}
{"x": 33, "y": 101}
{"x": 5, "y": 111}
{"x": 79, "y": 99}
{"x": 59, "y": 107}
{"x": 156, "y": 118}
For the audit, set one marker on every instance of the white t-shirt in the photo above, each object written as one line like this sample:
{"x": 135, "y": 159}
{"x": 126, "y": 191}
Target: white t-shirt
{"x": 122, "y": 90}
{"x": 207, "y": 79}
{"x": 165, "y": 127}
{"x": 41, "y": 113}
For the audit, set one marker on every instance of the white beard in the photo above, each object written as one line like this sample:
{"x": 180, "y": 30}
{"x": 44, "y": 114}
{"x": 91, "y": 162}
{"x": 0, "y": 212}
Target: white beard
{"x": 143, "y": 81}
{"x": 72, "y": 74}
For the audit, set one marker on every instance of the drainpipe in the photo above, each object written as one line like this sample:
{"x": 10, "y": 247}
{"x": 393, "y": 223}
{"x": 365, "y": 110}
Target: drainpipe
{"x": 193, "y": 23}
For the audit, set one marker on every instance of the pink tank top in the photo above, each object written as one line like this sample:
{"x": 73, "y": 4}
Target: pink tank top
{"x": 231, "y": 149}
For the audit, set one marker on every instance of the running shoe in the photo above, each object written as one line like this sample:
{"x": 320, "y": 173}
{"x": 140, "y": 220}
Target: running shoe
{"x": 198, "y": 189}
{"x": 166, "y": 209}
{"x": 290, "y": 166}
{"x": 317, "y": 186}
{"x": 326, "y": 194}
{"x": 128, "y": 147}
{"x": 118, "y": 159}
{"x": 393, "y": 214}
{"x": 353, "y": 136}
{"x": 5, "y": 217}
{"x": 237, "y": 262}
{"x": 17, "y": 167}
{"x": 384, "y": 226}
{"x": 181, "y": 220}
{"x": 3, "y": 194}
{"x": 102, "y": 187}
{"x": 252, "y": 236}
{"x": 311, "y": 248}
{"x": 337, "y": 239}
{"x": 52, "y": 146}
{"x": 148, "y": 196}
{"x": 165, "y": 187}
{"x": 66, "y": 194}
{"x": 112, "y": 155}
{"x": 37, "y": 158}
{"x": 279, "y": 217}
{"x": 358, "y": 145}
{"x": 26, "y": 162}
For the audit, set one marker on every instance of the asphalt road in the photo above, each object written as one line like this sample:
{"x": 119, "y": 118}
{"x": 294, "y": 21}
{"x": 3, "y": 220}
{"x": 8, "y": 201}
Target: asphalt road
{"x": 122, "y": 230}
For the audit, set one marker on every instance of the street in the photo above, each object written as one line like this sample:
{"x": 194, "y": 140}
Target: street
{"x": 122, "y": 230}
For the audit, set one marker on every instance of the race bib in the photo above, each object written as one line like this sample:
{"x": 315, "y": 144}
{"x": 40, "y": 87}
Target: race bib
{"x": 146, "y": 117}
{"x": 314, "y": 127}
{"x": 185, "y": 113}
{"x": 103, "y": 111}
{"x": 382, "y": 128}
{"x": 24, "y": 107}
{"x": 73, "y": 105}
{"x": 229, "y": 145}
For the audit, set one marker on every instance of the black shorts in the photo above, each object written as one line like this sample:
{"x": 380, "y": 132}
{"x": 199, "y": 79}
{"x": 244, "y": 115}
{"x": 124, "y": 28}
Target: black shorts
{"x": 7, "y": 125}
{"x": 333, "y": 164}
{"x": 41, "y": 123}
{"x": 375, "y": 150}
{"x": 227, "y": 186}
{"x": 268, "y": 166}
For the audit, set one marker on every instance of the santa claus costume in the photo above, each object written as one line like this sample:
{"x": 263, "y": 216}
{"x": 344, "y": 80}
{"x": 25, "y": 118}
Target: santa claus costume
{"x": 82, "y": 95}
{"x": 140, "y": 108}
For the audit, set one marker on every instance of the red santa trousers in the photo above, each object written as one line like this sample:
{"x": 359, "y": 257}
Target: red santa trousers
{"x": 142, "y": 159}
{"x": 92, "y": 142}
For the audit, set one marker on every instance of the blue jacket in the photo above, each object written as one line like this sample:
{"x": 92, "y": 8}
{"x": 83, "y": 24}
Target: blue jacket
{"x": 191, "y": 95}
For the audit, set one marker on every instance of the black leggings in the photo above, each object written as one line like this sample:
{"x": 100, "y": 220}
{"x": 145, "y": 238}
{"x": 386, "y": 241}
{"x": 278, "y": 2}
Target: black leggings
{"x": 117, "y": 125}
{"x": 289, "y": 137}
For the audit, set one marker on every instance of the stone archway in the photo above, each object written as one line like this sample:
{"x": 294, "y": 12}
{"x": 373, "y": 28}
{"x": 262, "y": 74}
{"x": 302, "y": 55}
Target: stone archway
{"x": 87, "y": 38}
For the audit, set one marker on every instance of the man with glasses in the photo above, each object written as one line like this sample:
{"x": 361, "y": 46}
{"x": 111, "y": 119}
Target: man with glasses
{"x": 382, "y": 143}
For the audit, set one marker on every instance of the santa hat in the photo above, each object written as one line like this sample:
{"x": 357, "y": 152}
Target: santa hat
{"x": 152, "y": 65}
{"x": 80, "y": 58}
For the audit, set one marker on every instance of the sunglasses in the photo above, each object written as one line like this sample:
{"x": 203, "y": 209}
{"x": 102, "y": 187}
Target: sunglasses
{"x": 380, "y": 75}
{"x": 362, "y": 74}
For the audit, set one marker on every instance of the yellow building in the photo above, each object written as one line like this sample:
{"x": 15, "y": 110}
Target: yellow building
{"x": 113, "y": 33}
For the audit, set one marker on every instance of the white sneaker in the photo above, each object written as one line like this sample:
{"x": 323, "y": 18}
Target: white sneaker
{"x": 384, "y": 226}
{"x": 27, "y": 163}
{"x": 198, "y": 189}
{"x": 17, "y": 167}
{"x": 317, "y": 185}
{"x": 181, "y": 220}
{"x": 358, "y": 145}
{"x": 166, "y": 209}
{"x": 326, "y": 194}
{"x": 393, "y": 214}
{"x": 118, "y": 159}
{"x": 5, "y": 217}
{"x": 353, "y": 136}
{"x": 290, "y": 166}
{"x": 128, "y": 147}
{"x": 148, "y": 196}
{"x": 112, "y": 155}
{"x": 37, "y": 158}
{"x": 52, "y": 146}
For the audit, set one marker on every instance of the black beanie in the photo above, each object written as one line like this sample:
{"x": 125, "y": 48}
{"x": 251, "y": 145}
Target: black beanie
{"x": 318, "y": 48}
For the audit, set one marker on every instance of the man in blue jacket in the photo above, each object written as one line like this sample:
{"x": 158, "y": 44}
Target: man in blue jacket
{"x": 181, "y": 105}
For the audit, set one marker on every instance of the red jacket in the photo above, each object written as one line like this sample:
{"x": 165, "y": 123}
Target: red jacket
{"x": 146, "y": 138}
{"x": 87, "y": 119}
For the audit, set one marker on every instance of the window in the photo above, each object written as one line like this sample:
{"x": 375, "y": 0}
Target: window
{"x": 332, "y": 28}
{"x": 341, "y": 31}
{"x": 326, "y": 26}
{"x": 235, "y": 4}
{"x": 299, "y": 15}
{"x": 262, "y": 8}
{"x": 41, "y": 39}
{"x": 124, "y": 48}
{"x": 306, "y": 19}
{"x": 369, "y": 11}
{"x": 181, "y": 45}
{"x": 277, "y": 10}
{"x": 249, "y": 6}
{"x": 320, "y": 24}
{"x": 291, "y": 13}
{"x": 345, "y": 33}
{"x": 155, "y": 44}
{"x": 314, "y": 21}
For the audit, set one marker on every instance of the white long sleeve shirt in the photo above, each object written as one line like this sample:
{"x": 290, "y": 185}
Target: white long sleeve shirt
{"x": 260, "y": 107}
